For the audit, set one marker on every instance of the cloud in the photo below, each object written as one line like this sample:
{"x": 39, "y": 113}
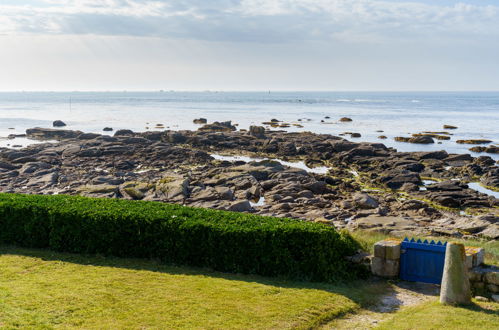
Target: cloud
{"x": 267, "y": 21}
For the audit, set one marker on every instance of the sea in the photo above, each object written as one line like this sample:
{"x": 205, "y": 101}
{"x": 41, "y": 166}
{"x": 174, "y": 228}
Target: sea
{"x": 476, "y": 114}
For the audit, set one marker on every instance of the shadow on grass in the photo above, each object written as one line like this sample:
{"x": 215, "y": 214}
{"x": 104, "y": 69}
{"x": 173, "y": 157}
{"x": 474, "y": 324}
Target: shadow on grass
{"x": 364, "y": 293}
{"x": 473, "y": 307}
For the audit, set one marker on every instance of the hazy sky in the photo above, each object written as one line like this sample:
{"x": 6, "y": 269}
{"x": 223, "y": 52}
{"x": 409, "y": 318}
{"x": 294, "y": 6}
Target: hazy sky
{"x": 249, "y": 45}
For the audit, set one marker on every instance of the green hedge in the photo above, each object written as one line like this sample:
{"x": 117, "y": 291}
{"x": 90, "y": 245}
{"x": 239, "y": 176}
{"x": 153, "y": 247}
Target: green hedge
{"x": 224, "y": 241}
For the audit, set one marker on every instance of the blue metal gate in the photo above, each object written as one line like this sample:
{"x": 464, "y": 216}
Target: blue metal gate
{"x": 422, "y": 261}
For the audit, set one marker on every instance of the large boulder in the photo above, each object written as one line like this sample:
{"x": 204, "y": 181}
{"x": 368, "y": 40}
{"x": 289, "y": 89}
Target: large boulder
{"x": 240, "y": 206}
{"x": 365, "y": 201}
{"x": 257, "y": 131}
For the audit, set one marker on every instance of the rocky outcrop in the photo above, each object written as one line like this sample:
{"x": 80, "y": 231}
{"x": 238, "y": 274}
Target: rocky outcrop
{"x": 176, "y": 167}
{"x": 225, "y": 126}
{"x": 51, "y": 134}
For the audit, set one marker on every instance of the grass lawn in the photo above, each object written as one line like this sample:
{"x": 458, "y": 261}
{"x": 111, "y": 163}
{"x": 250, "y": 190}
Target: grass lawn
{"x": 41, "y": 289}
{"x": 480, "y": 315}
{"x": 44, "y": 289}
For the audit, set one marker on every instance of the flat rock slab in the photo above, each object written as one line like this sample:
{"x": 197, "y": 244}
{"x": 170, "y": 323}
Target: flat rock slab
{"x": 379, "y": 221}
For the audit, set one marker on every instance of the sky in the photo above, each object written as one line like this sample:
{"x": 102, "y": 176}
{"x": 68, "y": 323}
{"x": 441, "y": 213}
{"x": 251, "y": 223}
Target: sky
{"x": 249, "y": 45}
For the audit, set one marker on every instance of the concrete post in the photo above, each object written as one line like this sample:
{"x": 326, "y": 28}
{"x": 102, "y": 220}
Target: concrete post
{"x": 455, "y": 283}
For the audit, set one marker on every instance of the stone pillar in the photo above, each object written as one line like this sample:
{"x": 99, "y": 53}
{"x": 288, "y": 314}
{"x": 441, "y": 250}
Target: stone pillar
{"x": 386, "y": 260}
{"x": 455, "y": 283}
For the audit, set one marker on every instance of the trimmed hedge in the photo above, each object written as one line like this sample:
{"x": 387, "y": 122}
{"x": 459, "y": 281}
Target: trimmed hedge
{"x": 224, "y": 241}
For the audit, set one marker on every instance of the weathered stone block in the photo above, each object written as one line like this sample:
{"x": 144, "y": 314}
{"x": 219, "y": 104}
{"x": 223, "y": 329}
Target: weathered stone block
{"x": 379, "y": 249}
{"x": 392, "y": 268}
{"x": 377, "y": 265}
{"x": 468, "y": 261}
{"x": 493, "y": 288}
{"x": 475, "y": 275}
{"x": 392, "y": 251}
{"x": 384, "y": 267}
{"x": 480, "y": 257}
{"x": 492, "y": 277}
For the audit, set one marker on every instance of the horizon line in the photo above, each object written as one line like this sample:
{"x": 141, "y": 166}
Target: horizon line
{"x": 247, "y": 90}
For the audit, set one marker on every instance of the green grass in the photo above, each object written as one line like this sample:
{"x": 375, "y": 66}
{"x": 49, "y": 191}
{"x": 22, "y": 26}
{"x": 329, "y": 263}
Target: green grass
{"x": 433, "y": 315}
{"x": 43, "y": 289}
{"x": 368, "y": 238}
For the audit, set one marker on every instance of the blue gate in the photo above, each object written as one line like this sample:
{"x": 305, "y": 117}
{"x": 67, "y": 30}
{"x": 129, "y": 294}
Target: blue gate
{"x": 422, "y": 261}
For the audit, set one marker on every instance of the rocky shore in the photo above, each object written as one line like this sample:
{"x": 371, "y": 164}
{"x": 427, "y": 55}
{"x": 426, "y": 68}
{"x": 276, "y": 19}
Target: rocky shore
{"x": 314, "y": 177}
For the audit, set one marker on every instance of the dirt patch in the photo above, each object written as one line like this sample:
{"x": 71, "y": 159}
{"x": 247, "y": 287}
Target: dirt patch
{"x": 400, "y": 295}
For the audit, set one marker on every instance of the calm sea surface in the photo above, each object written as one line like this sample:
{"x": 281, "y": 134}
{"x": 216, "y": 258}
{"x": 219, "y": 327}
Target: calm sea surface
{"x": 397, "y": 114}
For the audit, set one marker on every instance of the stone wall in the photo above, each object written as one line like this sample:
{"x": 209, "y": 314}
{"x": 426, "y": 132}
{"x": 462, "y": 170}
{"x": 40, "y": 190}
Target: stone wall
{"x": 484, "y": 280}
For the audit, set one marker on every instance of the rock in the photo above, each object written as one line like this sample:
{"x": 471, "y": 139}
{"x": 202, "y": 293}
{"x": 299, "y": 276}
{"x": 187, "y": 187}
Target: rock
{"x": 491, "y": 178}
{"x": 395, "y": 179}
{"x": 135, "y": 190}
{"x": 345, "y": 119}
{"x": 355, "y": 135}
{"x": 91, "y": 152}
{"x": 29, "y": 168}
{"x": 416, "y": 139}
{"x": 58, "y": 123}
{"x": 97, "y": 189}
{"x": 240, "y": 206}
{"x": 88, "y": 136}
{"x": 382, "y": 137}
{"x": 477, "y": 149}
{"x": 455, "y": 288}
{"x": 51, "y": 133}
{"x": 208, "y": 194}
{"x": 173, "y": 188}
{"x": 225, "y": 126}
{"x": 258, "y": 131}
{"x": 176, "y": 137}
{"x": 364, "y": 201}
{"x": 8, "y": 166}
{"x": 225, "y": 193}
{"x": 110, "y": 180}
{"x": 421, "y": 140}
{"x": 124, "y": 132}
{"x": 476, "y": 141}
{"x": 46, "y": 179}
{"x": 413, "y": 204}
{"x": 431, "y": 154}
{"x": 491, "y": 232}
{"x": 107, "y": 129}
{"x": 457, "y": 158}
{"x": 409, "y": 187}
{"x": 492, "y": 150}
{"x": 482, "y": 299}
{"x": 449, "y": 127}
{"x": 492, "y": 277}
{"x": 200, "y": 121}
{"x": 495, "y": 297}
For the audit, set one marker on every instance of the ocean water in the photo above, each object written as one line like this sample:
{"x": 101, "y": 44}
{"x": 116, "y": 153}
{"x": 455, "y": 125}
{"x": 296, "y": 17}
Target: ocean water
{"x": 395, "y": 113}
